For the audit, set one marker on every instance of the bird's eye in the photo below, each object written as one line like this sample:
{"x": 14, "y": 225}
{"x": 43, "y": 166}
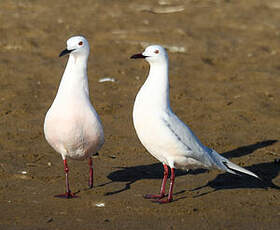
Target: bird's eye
{"x": 80, "y": 43}
{"x": 156, "y": 51}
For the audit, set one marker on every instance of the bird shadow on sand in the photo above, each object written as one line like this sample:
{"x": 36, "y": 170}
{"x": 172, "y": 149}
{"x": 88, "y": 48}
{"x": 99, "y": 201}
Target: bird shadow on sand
{"x": 248, "y": 149}
{"x": 132, "y": 174}
{"x": 267, "y": 171}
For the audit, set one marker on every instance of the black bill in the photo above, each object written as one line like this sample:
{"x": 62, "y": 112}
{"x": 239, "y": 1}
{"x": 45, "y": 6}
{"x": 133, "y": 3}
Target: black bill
{"x": 135, "y": 56}
{"x": 64, "y": 52}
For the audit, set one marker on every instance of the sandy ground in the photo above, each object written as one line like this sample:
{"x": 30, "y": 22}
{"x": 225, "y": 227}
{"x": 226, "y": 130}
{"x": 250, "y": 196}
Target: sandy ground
{"x": 225, "y": 80}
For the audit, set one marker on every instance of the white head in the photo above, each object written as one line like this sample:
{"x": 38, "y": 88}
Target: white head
{"x": 77, "y": 45}
{"x": 154, "y": 54}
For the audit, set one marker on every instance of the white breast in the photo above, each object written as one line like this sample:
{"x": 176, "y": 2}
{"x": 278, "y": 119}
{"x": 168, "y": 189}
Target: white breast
{"x": 74, "y": 129}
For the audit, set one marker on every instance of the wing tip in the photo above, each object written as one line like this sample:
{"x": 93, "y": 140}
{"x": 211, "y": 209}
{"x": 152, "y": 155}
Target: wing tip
{"x": 240, "y": 172}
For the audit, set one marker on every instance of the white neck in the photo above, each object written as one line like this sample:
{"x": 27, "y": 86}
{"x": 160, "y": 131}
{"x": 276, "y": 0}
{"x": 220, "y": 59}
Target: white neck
{"x": 74, "y": 80}
{"x": 155, "y": 91}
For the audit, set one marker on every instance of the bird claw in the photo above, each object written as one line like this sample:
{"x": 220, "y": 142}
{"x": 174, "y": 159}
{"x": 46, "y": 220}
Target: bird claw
{"x": 67, "y": 195}
{"x": 159, "y": 201}
{"x": 152, "y": 196}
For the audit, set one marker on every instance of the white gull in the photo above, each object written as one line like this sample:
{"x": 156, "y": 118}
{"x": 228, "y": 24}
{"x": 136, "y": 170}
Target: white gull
{"x": 163, "y": 134}
{"x": 72, "y": 126}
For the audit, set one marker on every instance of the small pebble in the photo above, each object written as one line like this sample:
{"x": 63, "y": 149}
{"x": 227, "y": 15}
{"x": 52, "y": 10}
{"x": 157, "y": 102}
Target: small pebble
{"x": 50, "y": 220}
{"x": 106, "y": 79}
{"x": 167, "y": 9}
{"x": 100, "y": 205}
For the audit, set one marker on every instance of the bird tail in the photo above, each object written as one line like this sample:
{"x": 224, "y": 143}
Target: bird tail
{"x": 230, "y": 167}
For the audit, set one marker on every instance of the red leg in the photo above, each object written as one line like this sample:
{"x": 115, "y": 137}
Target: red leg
{"x": 68, "y": 193}
{"x": 170, "y": 194}
{"x": 90, "y": 184}
{"x": 162, "y": 190}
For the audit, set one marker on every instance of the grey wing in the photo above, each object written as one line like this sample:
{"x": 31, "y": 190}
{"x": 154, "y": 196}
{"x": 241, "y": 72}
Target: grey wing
{"x": 192, "y": 144}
